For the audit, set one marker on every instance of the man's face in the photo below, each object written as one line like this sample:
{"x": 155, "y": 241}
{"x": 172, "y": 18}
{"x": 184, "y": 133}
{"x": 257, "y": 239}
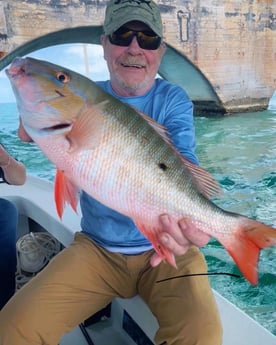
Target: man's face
{"x": 132, "y": 69}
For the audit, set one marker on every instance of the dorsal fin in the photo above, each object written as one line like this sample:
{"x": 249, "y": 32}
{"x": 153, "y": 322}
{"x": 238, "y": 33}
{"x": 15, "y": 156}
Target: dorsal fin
{"x": 160, "y": 129}
{"x": 204, "y": 181}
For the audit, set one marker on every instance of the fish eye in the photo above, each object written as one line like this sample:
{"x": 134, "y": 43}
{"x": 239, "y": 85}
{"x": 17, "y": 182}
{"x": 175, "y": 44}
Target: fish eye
{"x": 63, "y": 77}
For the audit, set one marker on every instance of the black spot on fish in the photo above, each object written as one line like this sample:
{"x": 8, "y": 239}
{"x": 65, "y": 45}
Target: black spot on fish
{"x": 163, "y": 166}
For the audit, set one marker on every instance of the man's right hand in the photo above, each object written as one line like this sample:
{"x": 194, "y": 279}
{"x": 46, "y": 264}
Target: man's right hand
{"x": 178, "y": 237}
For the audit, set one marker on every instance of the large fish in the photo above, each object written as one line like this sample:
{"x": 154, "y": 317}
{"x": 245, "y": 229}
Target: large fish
{"x": 124, "y": 160}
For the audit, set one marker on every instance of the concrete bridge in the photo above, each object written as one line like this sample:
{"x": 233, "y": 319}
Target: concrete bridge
{"x": 222, "y": 52}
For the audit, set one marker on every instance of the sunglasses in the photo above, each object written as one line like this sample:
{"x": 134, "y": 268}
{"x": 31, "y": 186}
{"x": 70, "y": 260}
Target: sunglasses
{"x": 146, "y": 39}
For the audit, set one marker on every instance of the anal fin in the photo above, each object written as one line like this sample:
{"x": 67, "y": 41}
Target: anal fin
{"x": 161, "y": 250}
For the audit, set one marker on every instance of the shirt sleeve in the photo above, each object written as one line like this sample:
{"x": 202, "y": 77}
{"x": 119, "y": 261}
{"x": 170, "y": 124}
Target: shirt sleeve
{"x": 179, "y": 121}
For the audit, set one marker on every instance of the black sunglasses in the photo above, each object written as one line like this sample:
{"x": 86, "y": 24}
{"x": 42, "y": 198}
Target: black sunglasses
{"x": 146, "y": 39}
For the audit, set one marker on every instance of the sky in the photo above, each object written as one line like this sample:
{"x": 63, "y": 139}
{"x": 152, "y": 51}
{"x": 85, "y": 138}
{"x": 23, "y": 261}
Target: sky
{"x": 71, "y": 56}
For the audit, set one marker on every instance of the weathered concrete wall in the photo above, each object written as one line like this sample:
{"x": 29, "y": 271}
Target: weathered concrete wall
{"x": 232, "y": 43}
{"x": 21, "y": 21}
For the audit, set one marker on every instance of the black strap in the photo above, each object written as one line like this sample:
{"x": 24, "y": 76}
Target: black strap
{"x": 2, "y": 177}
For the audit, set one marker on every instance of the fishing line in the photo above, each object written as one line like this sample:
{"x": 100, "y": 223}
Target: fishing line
{"x": 200, "y": 274}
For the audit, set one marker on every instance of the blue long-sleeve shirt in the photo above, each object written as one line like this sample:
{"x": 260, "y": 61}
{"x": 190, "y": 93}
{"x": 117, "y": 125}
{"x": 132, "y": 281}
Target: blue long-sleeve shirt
{"x": 169, "y": 105}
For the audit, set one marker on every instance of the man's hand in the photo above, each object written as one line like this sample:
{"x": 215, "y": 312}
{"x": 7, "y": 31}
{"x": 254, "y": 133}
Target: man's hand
{"x": 178, "y": 237}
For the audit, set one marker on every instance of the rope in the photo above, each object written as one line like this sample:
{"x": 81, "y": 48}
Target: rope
{"x": 34, "y": 251}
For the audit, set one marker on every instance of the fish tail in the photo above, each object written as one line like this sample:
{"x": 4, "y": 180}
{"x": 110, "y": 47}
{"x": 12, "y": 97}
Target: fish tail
{"x": 161, "y": 250}
{"x": 65, "y": 192}
{"x": 245, "y": 244}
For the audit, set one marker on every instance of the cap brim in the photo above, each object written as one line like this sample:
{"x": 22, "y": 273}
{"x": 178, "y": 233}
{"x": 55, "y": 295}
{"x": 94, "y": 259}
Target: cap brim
{"x": 133, "y": 17}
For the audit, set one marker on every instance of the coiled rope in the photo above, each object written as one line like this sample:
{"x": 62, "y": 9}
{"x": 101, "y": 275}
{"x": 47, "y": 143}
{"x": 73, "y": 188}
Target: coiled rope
{"x": 34, "y": 251}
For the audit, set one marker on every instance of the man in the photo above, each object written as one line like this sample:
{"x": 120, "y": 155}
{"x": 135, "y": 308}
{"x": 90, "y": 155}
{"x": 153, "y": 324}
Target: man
{"x": 110, "y": 257}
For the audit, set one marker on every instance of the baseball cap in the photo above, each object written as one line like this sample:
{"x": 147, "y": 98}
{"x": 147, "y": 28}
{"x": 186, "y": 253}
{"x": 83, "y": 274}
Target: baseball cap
{"x": 120, "y": 12}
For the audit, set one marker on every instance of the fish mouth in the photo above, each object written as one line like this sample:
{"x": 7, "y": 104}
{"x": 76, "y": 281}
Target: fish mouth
{"x": 17, "y": 68}
{"x": 58, "y": 128}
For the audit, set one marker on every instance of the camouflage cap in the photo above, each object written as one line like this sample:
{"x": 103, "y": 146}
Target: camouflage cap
{"x": 120, "y": 12}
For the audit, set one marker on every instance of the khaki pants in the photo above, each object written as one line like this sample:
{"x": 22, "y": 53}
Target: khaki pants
{"x": 83, "y": 278}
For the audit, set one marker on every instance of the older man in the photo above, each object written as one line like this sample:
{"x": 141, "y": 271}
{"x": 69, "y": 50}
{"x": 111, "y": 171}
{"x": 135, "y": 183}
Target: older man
{"x": 110, "y": 257}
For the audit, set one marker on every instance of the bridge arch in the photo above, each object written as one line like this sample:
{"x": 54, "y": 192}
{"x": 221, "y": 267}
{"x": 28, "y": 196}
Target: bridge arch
{"x": 175, "y": 67}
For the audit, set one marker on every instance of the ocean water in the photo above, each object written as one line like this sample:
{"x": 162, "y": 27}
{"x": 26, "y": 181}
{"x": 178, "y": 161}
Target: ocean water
{"x": 240, "y": 151}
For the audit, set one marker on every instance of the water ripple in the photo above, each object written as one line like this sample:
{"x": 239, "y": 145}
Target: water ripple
{"x": 240, "y": 151}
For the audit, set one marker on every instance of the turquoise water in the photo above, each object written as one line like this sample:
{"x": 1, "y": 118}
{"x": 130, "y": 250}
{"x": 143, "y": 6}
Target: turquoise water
{"x": 240, "y": 151}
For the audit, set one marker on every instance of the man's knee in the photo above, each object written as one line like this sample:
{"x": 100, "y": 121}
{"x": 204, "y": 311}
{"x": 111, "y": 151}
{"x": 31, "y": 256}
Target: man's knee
{"x": 201, "y": 331}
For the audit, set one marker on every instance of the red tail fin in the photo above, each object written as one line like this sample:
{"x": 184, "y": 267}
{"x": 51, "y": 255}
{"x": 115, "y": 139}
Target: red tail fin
{"x": 245, "y": 244}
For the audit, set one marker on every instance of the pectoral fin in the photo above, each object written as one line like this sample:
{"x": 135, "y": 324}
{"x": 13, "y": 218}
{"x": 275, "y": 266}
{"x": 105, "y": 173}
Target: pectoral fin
{"x": 87, "y": 130}
{"x": 65, "y": 193}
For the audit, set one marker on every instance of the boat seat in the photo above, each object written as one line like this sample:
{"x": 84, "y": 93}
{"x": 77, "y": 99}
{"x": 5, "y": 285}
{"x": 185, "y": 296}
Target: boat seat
{"x": 40, "y": 208}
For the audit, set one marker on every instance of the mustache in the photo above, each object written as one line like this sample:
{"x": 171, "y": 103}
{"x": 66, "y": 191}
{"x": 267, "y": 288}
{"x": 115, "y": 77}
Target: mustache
{"x": 133, "y": 61}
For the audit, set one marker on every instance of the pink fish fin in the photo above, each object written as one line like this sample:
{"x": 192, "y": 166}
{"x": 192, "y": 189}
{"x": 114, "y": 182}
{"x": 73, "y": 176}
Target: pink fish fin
{"x": 87, "y": 130}
{"x": 161, "y": 130}
{"x": 203, "y": 180}
{"x": 245, "y": 243}
{"x": 152, "y": 235}
{"x": 65, "y": 192}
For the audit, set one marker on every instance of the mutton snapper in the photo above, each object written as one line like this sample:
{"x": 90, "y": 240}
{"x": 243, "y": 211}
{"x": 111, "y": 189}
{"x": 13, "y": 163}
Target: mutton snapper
{"x": 125, "y": 160}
